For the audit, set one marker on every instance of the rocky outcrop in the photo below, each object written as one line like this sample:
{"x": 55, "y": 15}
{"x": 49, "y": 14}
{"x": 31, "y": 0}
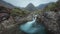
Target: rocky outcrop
{"x": 51, "y": 21}
{"x": 11, "y": 25}
{"x": 6, "y": 25}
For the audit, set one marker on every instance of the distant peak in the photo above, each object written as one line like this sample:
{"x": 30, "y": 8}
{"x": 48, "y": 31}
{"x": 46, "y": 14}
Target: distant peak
{"x": 30, "y": 4}
{"x": 30, "y": 7}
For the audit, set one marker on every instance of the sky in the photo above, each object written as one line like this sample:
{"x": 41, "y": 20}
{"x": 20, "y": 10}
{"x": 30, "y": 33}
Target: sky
{"x": 24, "y": 3}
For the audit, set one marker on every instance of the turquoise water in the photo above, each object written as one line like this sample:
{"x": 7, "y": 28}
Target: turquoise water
{"x": 32, "y": 27}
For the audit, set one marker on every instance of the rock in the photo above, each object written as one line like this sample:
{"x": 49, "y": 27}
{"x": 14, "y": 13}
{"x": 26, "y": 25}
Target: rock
{"x": 7, "y": 23}
{"x": 9, "y": 27}
{"x": 50, "y": 20}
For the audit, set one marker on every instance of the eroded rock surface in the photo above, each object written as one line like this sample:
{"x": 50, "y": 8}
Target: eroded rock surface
{"x": 51, "y": 21}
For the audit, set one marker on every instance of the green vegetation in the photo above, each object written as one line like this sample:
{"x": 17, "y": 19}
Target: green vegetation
{"x": 18, "y": 12}
{"x": 37, "y": 12}
{"x": 53, "y": 6}
{"x": 50, "y": 7}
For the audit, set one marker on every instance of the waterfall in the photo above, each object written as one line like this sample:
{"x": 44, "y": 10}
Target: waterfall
{"x": 31, "y": 26}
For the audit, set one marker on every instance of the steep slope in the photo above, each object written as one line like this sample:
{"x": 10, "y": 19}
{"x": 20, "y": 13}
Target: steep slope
{"x": 30, "y": 7}
{"x": 41, "y": 6}
{"x": 6, "y": 4}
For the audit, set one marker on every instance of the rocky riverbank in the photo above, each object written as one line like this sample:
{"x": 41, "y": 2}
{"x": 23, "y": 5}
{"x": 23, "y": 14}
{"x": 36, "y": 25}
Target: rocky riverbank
{"x": 50, "y": 19}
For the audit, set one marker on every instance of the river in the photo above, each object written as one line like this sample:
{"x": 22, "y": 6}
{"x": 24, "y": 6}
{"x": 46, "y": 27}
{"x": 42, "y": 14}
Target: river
{"x": 32, "y": 27}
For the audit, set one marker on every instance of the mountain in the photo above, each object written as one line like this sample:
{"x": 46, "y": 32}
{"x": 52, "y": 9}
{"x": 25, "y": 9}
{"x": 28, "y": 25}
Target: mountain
{"x": 30, "y": 7}
{"x": 42, "y": 6}
{"x": 6, "y": 4}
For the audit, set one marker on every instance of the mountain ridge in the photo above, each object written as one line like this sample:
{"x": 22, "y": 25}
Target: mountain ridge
{"x": 6, "y": 4}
